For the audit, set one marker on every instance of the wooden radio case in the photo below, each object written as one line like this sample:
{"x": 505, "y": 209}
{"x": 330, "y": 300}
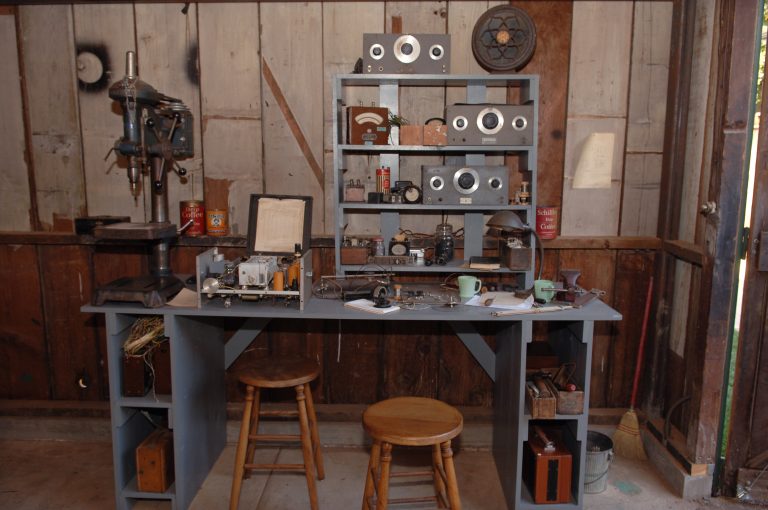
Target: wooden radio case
{"x": 547, "y": 466}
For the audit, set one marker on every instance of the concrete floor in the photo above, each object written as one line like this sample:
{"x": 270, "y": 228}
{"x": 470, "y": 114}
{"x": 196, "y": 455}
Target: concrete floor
{"x": 66, "y": 474}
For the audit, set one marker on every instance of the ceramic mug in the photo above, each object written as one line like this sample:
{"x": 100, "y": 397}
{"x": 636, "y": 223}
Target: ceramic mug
{"x": 540, "y": 293}
{"x": 469, "y": 286}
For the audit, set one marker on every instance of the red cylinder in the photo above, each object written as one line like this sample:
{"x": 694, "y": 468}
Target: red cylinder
{"x": 383, "y": 183}
{"x": 546, "y": 222}
{"x": 193, "y": 210}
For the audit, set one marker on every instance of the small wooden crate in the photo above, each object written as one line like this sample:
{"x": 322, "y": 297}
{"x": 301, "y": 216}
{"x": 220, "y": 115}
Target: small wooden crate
{"x": 568, "y": 402}
{"x": 543, "y": 406}
{"x": 411, "y": 134}
{"x": 154, "y": 461}
{"x": 435, "y": 134}
{"x": 354, "y": 255}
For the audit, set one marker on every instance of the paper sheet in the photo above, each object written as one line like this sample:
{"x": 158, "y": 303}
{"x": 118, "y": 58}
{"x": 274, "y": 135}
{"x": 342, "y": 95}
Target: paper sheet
{"x": 280, "y": 225}
{"x": 595, "y": 167}
{"x": 503, "y": 300}
{"x": 185, "y": 298}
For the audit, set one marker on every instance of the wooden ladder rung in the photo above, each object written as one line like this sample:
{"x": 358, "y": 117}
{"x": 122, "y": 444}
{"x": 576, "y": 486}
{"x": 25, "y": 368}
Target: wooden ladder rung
{"x": 422, "y": 499}
{"x": 279, "y": 412}
{"x": 403, "y": 474}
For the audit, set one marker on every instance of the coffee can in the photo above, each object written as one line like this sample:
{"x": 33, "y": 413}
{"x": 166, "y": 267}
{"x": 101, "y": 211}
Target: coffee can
{"x": 546, "y": 221}
{"x": 216, "y": 222}
{"x": 193, "y": 210}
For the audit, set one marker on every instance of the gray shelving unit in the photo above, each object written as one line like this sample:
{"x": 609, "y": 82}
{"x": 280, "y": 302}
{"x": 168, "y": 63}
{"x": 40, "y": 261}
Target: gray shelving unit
{"x": 475, "y": 91}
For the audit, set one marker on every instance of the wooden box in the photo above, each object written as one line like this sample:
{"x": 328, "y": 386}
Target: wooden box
{"x": 135, "y": 377}
{"x": 161, "y": 365}
{"x": 435, "y": 134}
{"x": 367, "y": 125}
{"x": 547, "y": 467}
{"x": 411, "y": 134}
{"x": 354, "y": 255}
{"x": 568, "y": 402}
{"x": 542, "y": 404}
{"x": 154, "y": 461}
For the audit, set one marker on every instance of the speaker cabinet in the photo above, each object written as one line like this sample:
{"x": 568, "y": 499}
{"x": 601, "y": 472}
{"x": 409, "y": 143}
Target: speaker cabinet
{"x": 468, "y": 185}
{"x": 406, "y": 53}
{"x": 490, "y": 124}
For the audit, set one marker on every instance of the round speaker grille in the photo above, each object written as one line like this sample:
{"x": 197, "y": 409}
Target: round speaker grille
{"x": 504, "y": 39}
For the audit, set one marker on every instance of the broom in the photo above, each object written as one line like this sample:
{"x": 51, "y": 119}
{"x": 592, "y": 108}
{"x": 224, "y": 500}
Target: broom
{"x": 626, "y": 439}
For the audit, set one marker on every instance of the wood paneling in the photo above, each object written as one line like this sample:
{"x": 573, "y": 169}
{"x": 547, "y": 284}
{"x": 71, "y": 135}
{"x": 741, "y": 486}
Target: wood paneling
{"x": 49, "y": 77}
{"x": 14, "y": 178}
{"x": 103, "y": 35}
{"x": 230, "y": 91}
{"x": 24, "y": 363}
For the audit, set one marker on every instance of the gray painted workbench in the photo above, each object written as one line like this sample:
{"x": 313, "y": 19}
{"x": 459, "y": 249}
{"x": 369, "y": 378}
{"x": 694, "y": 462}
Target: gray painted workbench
{"x": 200, "y": 356}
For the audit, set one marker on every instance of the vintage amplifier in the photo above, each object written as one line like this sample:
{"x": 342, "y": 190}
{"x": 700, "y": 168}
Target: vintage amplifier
{"x": 490, "y": 124}
{"x": 468, "y": 185}
{"x": 367, "y": 125}
{"x": 154, "y": 461}
{"x": 547, "y": 466}
{"x": 406, "y": 53}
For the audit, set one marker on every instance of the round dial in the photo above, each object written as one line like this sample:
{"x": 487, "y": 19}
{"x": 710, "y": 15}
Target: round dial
{"x": 398, "y": 249}
{"x": 411, "y": 194}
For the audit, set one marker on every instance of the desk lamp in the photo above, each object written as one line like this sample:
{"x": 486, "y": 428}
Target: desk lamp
{"x": 509, "y": 222}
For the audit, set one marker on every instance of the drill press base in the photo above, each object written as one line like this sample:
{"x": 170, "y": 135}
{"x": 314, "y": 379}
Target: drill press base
{"x": 151, "y": 291}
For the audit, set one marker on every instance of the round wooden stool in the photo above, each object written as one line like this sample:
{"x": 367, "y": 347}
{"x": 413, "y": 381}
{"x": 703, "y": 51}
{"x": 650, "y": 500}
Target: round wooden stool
{"x": 411, "y": 421}
{"x": 276, "y": 372}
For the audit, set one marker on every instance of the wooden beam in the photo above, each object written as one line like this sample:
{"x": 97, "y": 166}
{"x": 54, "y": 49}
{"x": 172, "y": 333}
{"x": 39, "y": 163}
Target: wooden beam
{"x": 688, "y": 252}
{"x": 602, "y": 243}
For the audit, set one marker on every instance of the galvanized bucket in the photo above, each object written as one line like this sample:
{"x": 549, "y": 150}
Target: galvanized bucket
{"x": 599, "y": 457}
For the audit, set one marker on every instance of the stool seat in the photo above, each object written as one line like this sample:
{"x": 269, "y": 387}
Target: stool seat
{"x": 279, "y": 372}
{"x": 412, "y": 421}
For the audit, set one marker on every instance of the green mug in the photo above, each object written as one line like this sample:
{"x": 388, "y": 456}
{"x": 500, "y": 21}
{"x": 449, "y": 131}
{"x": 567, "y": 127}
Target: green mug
{"x": 469, "y": 286}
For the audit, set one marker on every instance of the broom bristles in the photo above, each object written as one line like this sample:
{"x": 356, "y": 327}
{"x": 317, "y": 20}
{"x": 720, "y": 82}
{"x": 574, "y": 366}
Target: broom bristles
{"x": 626, "y": 440}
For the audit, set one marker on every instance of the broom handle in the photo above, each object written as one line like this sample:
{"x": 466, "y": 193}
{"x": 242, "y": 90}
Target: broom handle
{"x": 641, "y": 347}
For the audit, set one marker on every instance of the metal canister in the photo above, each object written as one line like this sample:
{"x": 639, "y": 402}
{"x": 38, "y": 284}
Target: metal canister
{"x": 546, "y": 222}
{"x": 193, "y": 210}
{"x": 383, "y": 183}
{"x": 216, "y": 222}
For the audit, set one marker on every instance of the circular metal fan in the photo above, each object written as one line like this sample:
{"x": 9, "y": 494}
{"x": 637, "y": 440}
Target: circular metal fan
{"x": 504, "y": 38}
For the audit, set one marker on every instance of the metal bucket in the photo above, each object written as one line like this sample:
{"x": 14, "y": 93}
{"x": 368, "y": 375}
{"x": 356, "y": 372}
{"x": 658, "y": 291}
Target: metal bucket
{"x": 599, "y": 457}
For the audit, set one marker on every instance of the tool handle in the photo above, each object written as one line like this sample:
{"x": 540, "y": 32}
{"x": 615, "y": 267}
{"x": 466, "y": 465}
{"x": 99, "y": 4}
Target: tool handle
{"x": 641, "y": 347}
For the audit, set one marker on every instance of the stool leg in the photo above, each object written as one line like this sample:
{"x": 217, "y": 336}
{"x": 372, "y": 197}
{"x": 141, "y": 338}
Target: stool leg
{"x": 254, "y": 429}
{"x": 372, "y": 474}
{"x": 438, "y": 470}
{"x": 313, "y": 431}
{"x": 242, "y": 445}
{"x": 450, "y": 475}
{"x": 306, "y": 446}
{"x": 383, "y": 491}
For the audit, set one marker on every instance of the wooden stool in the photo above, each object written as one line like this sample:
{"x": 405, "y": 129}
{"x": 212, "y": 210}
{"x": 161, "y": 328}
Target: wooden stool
{"x": 279, "y": 373}
{"x": 411, "y": 421}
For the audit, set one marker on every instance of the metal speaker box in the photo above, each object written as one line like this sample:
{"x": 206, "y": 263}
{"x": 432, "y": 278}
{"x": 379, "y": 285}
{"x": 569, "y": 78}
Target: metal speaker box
{"x": 490, "y": 124}
{"x": 469, "y": 185}
{"x": 406, "y": 53}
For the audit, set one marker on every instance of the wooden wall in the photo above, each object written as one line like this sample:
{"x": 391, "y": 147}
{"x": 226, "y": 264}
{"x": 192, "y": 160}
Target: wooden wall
{"x": 261, "y": 101}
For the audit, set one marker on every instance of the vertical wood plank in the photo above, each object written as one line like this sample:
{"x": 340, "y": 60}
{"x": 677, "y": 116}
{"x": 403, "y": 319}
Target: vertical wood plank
{"x": 74, "y": 348}
{"x": 410, "y": 361}
{"x": 231, "y": 107}
{"x": 14, "y": 180}
{"x": 48, "y": 53}
{"x": 24, "y": 368}
{"x": 295, "y": 61}
{"x": 341, "y": 50}
{"x": 461, "y": 380}
{"x": 640, "y": 201}
{"x": 353, "y": 371}
{"x": 551, "y": 60}
{"x": 167, "y": 52}
{"x": 104, "y": 31}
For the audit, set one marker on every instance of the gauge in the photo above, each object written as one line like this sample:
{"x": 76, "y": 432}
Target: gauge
{"x": 399, "y": 248}
{"x": 412, "y": 194}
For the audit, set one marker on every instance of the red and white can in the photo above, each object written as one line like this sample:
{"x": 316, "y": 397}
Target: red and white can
{"x": 546, "y": 222}
{"x": 383, "y": 183}
{"x": 193, "y": 210}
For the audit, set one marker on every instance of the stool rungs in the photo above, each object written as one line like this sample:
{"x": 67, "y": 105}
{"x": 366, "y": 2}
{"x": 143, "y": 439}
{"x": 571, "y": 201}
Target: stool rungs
{"x": 274, "y": 437}
{"x": 402, "y": 474}
{"x": 422, "y": 499}
{"x": 279, "y": 412}
{"x": 276, "y": 467}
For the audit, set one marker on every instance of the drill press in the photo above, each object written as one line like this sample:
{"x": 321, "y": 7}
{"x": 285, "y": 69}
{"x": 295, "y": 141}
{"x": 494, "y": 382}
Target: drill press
{"x": 157, "y": 131}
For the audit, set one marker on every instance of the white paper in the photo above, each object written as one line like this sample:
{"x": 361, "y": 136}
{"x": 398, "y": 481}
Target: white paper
{"x": 595, "y": 167}
{"x": 185, "y": 298}
{"x": 503, "y": 300}
{"x": 280, "y": 225}
{"x": 366, "y": 305}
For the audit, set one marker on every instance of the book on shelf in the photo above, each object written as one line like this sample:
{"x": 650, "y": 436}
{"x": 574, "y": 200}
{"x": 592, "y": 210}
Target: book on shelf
{"x": 484, "y": 263}
{"x": 366, "y": 305}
